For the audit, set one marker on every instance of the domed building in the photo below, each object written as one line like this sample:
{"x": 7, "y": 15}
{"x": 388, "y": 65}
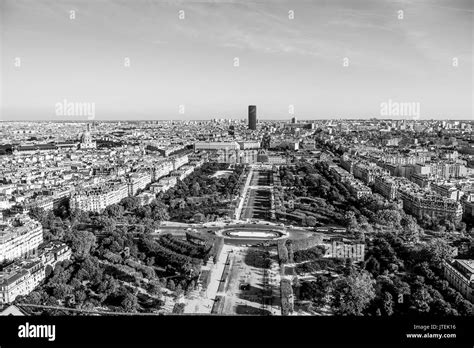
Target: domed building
{"x": 86, "y": 140}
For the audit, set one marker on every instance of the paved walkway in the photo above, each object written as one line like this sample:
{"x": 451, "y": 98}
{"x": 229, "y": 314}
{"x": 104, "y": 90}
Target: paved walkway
{"x": 238, "y": 210}
{"x": 202, "y": 302}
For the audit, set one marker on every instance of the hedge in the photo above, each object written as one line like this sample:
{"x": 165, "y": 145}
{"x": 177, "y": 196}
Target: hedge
{"x": 286, "y": 297}
{"x": 282, "y": 252}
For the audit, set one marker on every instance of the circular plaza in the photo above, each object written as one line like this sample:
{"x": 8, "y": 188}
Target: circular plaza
{"x": 252, "y": 233}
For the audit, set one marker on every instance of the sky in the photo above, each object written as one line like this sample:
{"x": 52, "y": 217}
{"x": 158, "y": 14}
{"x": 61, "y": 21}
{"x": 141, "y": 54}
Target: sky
{"x": 290, "y": 54}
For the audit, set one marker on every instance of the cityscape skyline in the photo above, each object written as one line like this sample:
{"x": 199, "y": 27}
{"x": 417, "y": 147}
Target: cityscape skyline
{"x": 191, "y": 164}
{"x": 204, "y": 60}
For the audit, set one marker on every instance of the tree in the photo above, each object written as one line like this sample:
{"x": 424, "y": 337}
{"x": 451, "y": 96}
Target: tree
{"x": 82, "y": 242}
{"x": 196, "y": 189}
{"x": 424, "y": 270}
{"x": 60, "y": 291}
{"x": 171, "y": 285}
{"x": 80, "y": 296}
{"x": 48, "y": 271}
{"x": 421, "y": 299}
{"x": 438, "y": 250}
{"x": 129, "y": 303}
{"x": 440, "y": 307}
{"x": 154, "y": 288}
{"x": 130, "y": 203}
{"x": 114, "y": 211}
{"x": 199, "y": 217}
{"x": 191, "y": 286}
{"x": 38, "y": 214}
{"x": 350, "y": 220}
{"x": 387, "y": 303}
{"x": 410, "y": 230}
{"x": 179, "y": 291}
{"x": 388, "y": 217}
{"x": 351, "y": 295}
{"x": 311, "y": 221}
{"x": 373, "y": 266}
{"x": 315, "y": 291}
{"x": 360, "y": 235}
{"x": 32, "y": 298}
{"x": 465, "y": 308}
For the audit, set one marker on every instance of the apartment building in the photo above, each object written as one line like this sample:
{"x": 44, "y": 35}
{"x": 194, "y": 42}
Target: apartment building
{"x": 22, "y": 276}
{"x": 98, "y": 197}
{"x": 446, "y": 190}
{"x": 179, "y": 161}
{"x": 164, "y": 184}
{"x": 183, "y": 172}
{"x": 216, "y": 145}
{"x": 138, "y": 181}
{"x": 20, "y": 237}
{"x": 367, "y": 172}
{"x": 419, "y": 202}
{"x": 161, "y": 170}
{"x": 54, "y": 252}
{"x": 356, "y": 187}
{"x": 460, "y": 274}
{"x": 416, "y": 201}
{"x": 441, "y": 170}
{"x": 45, "y": 203}
{"x": 386, "y": 186}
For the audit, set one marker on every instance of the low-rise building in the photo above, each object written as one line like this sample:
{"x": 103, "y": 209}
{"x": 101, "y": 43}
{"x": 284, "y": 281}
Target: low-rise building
{"x": 460, "y": 274}
{"x": 20, "y": 237}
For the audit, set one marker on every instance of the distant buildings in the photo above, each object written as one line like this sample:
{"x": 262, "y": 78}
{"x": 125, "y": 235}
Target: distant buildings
{"x": 86, "y": 142}
{"x": 439, "y": 202}
{"x": 356, "y": 186}
{"x": 386, "y": 186}
{"x": 216, "y": 145}
{"x": 229, "y": 151}
{"x": 252, "y": 117}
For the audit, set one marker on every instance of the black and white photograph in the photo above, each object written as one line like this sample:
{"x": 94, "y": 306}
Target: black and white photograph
{"x": 207, "y": 171}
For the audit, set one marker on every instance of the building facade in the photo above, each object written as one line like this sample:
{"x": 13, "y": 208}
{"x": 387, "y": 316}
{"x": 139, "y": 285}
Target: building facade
{"x": 460, "y": 274}
{"x": 20, "y": 238}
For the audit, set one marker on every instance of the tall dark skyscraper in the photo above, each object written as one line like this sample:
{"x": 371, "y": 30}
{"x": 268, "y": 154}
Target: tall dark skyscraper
{"x": 252, "y": 117}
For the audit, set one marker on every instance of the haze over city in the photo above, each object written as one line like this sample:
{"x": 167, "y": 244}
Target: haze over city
{"x": 290, "y": 53}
